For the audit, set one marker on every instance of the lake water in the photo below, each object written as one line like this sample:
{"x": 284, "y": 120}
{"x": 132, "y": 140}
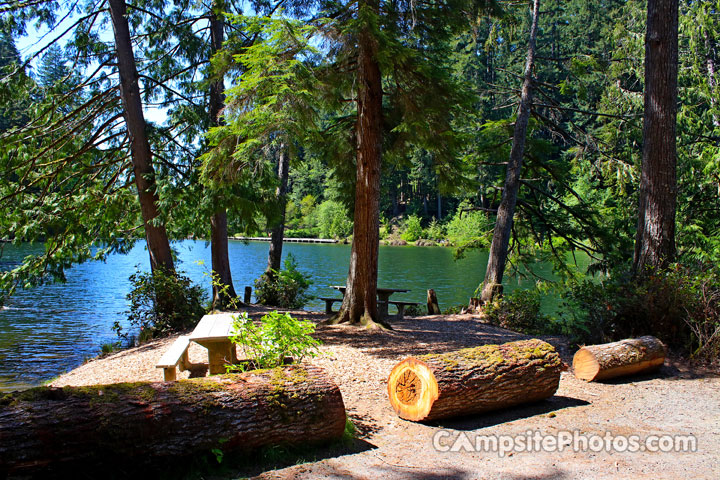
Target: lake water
{"x": 50, "y": 329}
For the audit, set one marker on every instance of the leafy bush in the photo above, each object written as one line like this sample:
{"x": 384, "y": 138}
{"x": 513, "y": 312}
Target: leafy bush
{"x": 435, "y": 231}
{"x": 588, "y": 311}
{"x": 453, "y": 309}
{"x": 162, "y": 303}
{"x": 278, "y": 336}
{"x": 412, "y": 229}
{"x": 519, "y": 311}
{"x": 703, "y": 315}
{"x": 284, "y": 289}
{"x": 385, "y": 229}
{"x": 414, "y": 311}
{"x": 469, "y": 227}
{"x": 332, "y": 220}
{"x": 680, "y": 305}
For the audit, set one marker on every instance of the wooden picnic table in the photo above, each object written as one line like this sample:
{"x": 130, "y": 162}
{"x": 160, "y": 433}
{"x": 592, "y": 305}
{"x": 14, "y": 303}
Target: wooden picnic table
{"x": 213, "y": 332}
{"x": 383, "y": 295}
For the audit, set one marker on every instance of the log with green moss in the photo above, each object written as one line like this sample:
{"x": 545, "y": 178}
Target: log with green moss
{"x": 626, "y": 357}
{"x": 474, "y": 380}
{"x": 48, "y": 429}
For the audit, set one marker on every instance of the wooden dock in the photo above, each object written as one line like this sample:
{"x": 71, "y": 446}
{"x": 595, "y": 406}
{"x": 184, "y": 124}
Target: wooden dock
{"x": 292, "y": 240}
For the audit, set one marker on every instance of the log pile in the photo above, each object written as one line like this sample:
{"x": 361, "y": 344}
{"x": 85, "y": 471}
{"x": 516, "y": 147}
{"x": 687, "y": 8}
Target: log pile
{"x": 474, "y": 380}
{"x": 45, "y": 430}
{"x": 626, "y": 357}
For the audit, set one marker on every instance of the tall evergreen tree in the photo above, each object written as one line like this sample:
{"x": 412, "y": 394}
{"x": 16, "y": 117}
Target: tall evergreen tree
{"x": 386, "y": 54}
{"x": 655, "y": 241}
{"x": 155, "y": 234}
{"x": 503, "y": 224}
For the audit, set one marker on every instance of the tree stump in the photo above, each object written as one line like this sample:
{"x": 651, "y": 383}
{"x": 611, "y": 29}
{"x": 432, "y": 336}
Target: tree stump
{"x": 45, "y": 430}
{"x": 626, "y": 357}
{"x": 432, "y": 303}
{"x": 474, "y": 380}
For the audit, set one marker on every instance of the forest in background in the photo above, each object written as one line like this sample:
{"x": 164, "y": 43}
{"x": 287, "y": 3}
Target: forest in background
{"x": 260, "y": 129}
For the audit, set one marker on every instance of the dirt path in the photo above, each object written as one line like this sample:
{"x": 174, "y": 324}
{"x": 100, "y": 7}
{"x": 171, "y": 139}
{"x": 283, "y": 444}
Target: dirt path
{"x": 674, "y": 401}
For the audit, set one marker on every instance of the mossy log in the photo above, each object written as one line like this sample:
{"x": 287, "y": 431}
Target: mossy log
{"x": 626, "y": 357}
{"x": 45, "y": 430}
{"x": 474, "y": 380}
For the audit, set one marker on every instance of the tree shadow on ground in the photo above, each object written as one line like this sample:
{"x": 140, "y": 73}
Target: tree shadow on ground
{"x": 428, "y": 334}
{"x": 365, "y": 425}
{"x": 490, "y": 419}
{"x": 274, "y": 459}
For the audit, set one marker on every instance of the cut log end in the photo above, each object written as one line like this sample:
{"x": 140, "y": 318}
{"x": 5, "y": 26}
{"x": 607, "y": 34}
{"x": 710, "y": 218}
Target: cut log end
{"x": 473, "y": 380}
{"x": 611, "y": 360}
{"x": 585, "y": 365}
{"x": 412, "y": 389}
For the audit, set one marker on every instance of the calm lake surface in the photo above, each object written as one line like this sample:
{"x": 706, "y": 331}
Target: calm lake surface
{"x": 54, "y": 328}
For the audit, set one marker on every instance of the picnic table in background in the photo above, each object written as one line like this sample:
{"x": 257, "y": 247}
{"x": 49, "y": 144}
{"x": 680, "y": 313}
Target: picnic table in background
{"x": 383, "y": 295}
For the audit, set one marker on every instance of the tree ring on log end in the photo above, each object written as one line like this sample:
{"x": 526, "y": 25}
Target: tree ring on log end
{"x": 412, "y": 389}
{"x": 408, "y": 387}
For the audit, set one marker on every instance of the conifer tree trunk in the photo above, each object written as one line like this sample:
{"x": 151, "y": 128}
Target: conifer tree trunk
{"x": 492, "y": 285}
{"x": 655, "y": 240}
{"x": 223, "y": 290}
{"x": 360, "y": 302}
{"x": 278, "y": 232}
{"x": 156, "y": 236}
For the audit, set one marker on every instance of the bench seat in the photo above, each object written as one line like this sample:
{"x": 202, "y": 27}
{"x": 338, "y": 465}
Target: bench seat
{"x": 175, "y": 356}
{"x": 329, "y": 303}
{"x": 401, "y": 307}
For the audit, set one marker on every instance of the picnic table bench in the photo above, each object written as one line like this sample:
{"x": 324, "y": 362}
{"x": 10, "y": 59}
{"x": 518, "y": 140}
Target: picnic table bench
{"x": 175, "y": 356}
{"x": 212, "y": 332}
{"x": 383, "y": 296}
{"x": 401, "y": 307}
{"x": 329, "y": 303}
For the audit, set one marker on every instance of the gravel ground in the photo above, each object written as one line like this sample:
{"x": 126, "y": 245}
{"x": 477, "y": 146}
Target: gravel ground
{"x": 674, "y": 401}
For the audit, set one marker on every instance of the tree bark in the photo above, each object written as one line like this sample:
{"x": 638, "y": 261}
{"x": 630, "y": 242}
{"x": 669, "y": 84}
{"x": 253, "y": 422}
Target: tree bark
{"x": 432, "y": 303}
{"x": 655, "y": 239}
{"x": 474, "y": 380}
{"x": 223, "y": 289}
{"x": 492, "y": 285}
{"x": 360, "y": 301}
{"x": 44, "y": 431}
{"x": 278, "y": 231}
{"x": 155, "y": 234}
{"x": 626, "y": 357}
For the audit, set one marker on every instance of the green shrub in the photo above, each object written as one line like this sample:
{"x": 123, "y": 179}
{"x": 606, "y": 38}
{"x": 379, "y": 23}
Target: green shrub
{"x": 520, "y": 312}
{"x": 414, "y": 311}
{"x": 385, "y": 229}
{"x": 435, "y": 231}
{"x": 332, "y": 220}
{"x": 469, "y": 227}
{"x": 588, "y": 310}
{"x": 277, "y": 336}
{"x": 162, "y": 303}
{"x": 284, "y": 289}
{"x": 453, "y": 309}
{"x": 680, "y": 305}
{"x": 412, "y": 229}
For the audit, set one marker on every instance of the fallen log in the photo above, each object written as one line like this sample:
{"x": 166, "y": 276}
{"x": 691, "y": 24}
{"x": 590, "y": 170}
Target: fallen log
{"x": 626, "y": 357}
{"x": 45, "y": 430}
{"x": 474, "y": 380}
